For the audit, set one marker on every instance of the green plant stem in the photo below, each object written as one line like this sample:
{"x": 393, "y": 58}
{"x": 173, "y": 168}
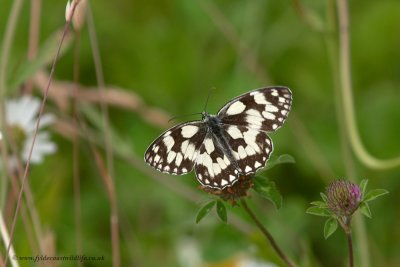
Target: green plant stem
{"x": 267, "y": 234}
{"x": 4, "y": 57}
{"x": 337, "y": 73}
{"x": 350, "y": 245}
{"x": 25, "y": 176}
{"x": 347, "y": 97}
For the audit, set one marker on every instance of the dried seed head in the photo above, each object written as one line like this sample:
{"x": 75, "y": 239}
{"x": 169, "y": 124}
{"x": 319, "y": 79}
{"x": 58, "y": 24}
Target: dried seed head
{"x": 344, "y": 197}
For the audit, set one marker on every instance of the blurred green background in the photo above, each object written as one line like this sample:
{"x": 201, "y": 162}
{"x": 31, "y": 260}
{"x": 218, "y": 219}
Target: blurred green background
{"x": 169, "y": 54}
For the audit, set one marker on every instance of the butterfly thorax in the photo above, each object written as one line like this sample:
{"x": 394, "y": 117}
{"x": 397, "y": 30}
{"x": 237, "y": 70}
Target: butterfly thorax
{"x": 216, "y": 131}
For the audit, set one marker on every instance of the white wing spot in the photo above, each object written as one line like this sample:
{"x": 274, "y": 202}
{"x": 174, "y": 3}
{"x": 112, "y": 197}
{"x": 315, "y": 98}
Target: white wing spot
{"x": 268, "y": 115}
{"x": 169, "y": 142}
{"x": 189, "y": 152}
{"x": 171, "y": 156}
{"x": 232, "y": 178}
{"x": 274, "y": 126}
{"x": 175, "y": 170}
{"x": 184, "y": 170}
{"x": 236, "y": 108}
{"x": 274, "y": 92}
{"x": 166, "y": 168}
{"x": 234, "y": 132}
{"x": 282, "y": 99}
{"x": 178, "y": 159}
{"x": 216, "y": 168}
{"x": 226, "y": 160}
{"x": 253, "y": 112}
{"x": 250, "y": 150}
{"x": 242, "y": 153}
{"x": 271, "y": 108}
{"x": 209, "y": 145}
{"x": 221, "y": 163}
{"x": 286, "y": 106}
{"x": 280, "y": 119}
{"x": 257, "y": 164}
{"x": 215, "y": 183}
{"x": 156, "y": 158}
{"x": 167, "y": 133}
{"x": 189, "y": 130}
{"x": 207, "y": 181}
{"x": 284, "y": 112}
{"x": 184, "y": 146}
{"x": 253, "y": 120}
{"x": 248, "y": 169}
{"x": 224, "y": 182}
{"x": 260, "y": 99}
{"x": 264, "y": 158}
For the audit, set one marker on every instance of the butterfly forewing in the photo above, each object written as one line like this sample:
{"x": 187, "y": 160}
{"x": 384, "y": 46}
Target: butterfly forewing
{"x": 251, "y": 148}
{"x": 263, "y": 109}
{"x": 175, "y": 151}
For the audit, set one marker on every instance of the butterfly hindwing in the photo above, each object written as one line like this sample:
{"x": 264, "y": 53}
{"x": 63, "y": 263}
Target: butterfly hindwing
{"x": 263, "y": 109}
{"x": 175, "y": 151}
{"x": 251, "y": 148}
{"x": 213, "y": 168}
{"x": 249, "y": 151}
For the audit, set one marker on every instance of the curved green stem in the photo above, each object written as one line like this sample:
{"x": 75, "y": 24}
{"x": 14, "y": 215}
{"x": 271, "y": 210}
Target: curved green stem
{"x": 347, "y": 97}
{"x": 267, "y": 234}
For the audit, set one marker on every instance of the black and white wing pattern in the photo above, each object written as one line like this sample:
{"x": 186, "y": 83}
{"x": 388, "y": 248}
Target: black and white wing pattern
{"x": 263, "y": 109}
{"x": 249, "y": 151}
{"x": 228, "y": 145}
{"x": 175, "y": 151}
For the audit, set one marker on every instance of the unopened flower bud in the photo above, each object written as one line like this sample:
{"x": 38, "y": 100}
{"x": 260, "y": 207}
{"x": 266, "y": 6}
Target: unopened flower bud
{"x": 68, "y": 11}
{"x": 344, "y": 197}
{"x": 80, "y": 14}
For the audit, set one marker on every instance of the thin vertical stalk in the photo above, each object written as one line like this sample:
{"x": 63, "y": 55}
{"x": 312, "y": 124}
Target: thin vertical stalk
{"x": 108, "y": 176}
{"x": 4, "y": 57}
{"x": 350, "y": 246}
{"x": 37, "y": 127}
{"x": 340, "y": 58}
{"x": 75, "y": 153}
{"x": 267, "y": 234}
{"x": 33, "y": 41}
{"x": 6, "y": 239}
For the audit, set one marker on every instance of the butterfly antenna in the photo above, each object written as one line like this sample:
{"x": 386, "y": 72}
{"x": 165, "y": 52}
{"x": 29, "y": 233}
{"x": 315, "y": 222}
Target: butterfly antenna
{"x": 208, "y": 97}
{"x": 181, "y": 116}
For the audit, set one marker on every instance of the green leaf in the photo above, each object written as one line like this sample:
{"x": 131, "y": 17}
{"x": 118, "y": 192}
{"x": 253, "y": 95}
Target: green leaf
{"x": 221, "y": 211}
{"x": 319, "y": 204}
{"x": 267, "y": 189}
{"x": 363, "y": 186}
{"x": 204, "y": 211}
{"x": 324, "y": 197}
{"x": 285, "y": 158}
{"x": 364, "y": 208}
{"x": 373, "y": 194}
{"x": 330, "y": 227}
{"x": 319, "y": 211}
{"x": 45, "y": 56}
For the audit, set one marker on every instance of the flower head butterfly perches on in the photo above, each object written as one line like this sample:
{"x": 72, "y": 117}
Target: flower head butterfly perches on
{"x": 224, "y": 147}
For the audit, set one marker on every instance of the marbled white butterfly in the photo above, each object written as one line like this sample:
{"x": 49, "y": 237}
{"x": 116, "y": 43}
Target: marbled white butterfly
{"x": 224, "y": 146}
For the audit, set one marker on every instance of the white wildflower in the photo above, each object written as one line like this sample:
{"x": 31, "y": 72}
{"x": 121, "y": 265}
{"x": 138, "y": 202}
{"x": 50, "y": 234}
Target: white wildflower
{"x": 21, "y": 117}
